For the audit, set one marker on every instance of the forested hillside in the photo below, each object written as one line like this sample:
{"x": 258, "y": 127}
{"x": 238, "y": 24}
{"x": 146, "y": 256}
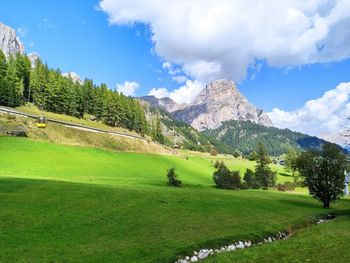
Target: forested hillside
{"x": 244, "y": 136}
{"x": 49, "y": 90}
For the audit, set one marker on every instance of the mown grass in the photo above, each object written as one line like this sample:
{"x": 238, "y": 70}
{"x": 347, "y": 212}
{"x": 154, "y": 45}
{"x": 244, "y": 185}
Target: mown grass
{"x": 327, "y": 242}
{"x": 78, "y": 204}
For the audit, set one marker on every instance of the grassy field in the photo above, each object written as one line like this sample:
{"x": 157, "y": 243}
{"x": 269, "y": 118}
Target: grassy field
{"x": 78, "y": 204}
{"x": 322, "y": 243}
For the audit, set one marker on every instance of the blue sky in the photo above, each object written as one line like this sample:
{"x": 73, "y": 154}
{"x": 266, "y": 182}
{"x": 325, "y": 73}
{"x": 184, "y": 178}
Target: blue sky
{"x": 97, "y": 40}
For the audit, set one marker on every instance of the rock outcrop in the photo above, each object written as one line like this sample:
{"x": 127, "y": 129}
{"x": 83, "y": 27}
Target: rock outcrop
{"x": 33, "y": 57}
{"x": 220, "y": 101}
{"x": 9, "y": 42}
{"x": 166, "y": 103}
{"x": 74, "y": 77}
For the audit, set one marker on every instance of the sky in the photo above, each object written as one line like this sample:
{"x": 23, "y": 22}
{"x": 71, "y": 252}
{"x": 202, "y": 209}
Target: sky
{"x": 288, "y": 57}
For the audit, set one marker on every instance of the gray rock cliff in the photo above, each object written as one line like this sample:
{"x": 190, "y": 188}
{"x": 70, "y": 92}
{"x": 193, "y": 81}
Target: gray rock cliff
{"x": 9, "y": 42}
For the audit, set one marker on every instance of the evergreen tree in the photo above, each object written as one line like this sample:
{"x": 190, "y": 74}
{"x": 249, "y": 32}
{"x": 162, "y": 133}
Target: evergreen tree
{"x": 264, "y": 175}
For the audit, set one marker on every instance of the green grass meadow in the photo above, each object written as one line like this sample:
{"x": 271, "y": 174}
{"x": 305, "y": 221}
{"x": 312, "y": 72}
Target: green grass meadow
{"x": 78, "y": 204}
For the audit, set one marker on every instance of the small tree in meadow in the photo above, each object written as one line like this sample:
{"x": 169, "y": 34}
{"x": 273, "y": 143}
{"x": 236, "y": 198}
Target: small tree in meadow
{"x": 172, "y": 178}
{"x": 250, "y": 179}
{"x": 226, "y": 179}
{"x": 323, "y": 172}
{"x": 291, "y": 161}
{"x": 263, "y": 173}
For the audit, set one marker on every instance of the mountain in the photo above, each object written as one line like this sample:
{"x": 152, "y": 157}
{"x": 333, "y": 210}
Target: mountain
{"x": 178, "y": 134}
{"x": 166, "y": 103}
{"x": 33, "y": 57}
{"x": 341, "y": 139}
{"x": 245, "y": 135}
{"x": 74, "y": 77}
{"x": 9, "y": 42}
{"x": 220, "y": 101}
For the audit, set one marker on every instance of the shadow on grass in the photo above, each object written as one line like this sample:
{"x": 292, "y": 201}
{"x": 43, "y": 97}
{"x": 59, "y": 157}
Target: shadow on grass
{"x": 12, "y": 185}
{"x": 304, "y": 204}
{"x": 285, "y": 174}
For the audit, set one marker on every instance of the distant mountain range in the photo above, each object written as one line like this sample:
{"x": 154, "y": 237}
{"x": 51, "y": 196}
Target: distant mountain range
{"x": 225, "y": 116}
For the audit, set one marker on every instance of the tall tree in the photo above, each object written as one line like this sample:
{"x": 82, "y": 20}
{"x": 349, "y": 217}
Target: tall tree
{"x": 324, "y": 172}
{"x": 264, "y": 175}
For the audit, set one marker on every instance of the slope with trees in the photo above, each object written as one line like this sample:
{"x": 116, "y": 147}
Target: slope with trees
{"x": 50, "y": 91}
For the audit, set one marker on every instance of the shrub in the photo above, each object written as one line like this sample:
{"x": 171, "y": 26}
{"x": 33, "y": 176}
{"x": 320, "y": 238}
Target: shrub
{"x": 216, "y": 164}
{"x": 226, "y": 179}
{"x": 236, "y": 154}
{"x": 213, "y": 152}
{"x": 172, "y": 178}
{"x": 287, "y": 186}
{"x": 250, "y": 179}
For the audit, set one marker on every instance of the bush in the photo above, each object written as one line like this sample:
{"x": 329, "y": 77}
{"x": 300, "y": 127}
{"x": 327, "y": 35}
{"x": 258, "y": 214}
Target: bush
{"x": 216, "y": 164}
{"x": 226, "y": 179}
{"x": 172, "y": 178}
{"x": 236, "y": 154}
{"x": 287, "y": 186}
{"x": 250, "y": 179}
{"x": 213, "y": 152}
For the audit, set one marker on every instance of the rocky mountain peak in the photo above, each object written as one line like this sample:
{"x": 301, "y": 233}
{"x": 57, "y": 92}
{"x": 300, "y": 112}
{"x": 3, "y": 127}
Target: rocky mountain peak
{"x": 9, "y": 42}
{"x": 33, "y": 58}
{"x": 74, "y": 77}
{"x": 220, "y": 101}
{"x": 165, "y": 103}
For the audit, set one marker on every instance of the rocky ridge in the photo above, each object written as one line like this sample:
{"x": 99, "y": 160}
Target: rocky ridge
{"x": 220, "y": 101}
{"x": 9, "y": 42}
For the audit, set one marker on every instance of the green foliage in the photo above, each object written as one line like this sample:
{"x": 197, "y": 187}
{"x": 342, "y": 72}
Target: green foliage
{"x": 173, "y": 178}
{"x": 287, "y": 186}
{"x": 236, "y": 154}
{"x": 324, "y": 173}
{"x": 245, "y": 135}
{"x": 157, "y": 134}
{"x": 250, "y": 179}
{"x": 253, "y": 156}
{"x": 226, "y": 179}
{"x": 264, "y": 175}
{"x": 50, "y": 91}
{"x": 291, "y": 161}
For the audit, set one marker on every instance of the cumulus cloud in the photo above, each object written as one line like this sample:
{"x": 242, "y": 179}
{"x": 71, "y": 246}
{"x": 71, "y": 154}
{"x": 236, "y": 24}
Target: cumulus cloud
{"x": 159, "y": 93}
{"x": 128, "y": 88}
{"x": 222, "y": 39}
{"x": 325, "y": 115}
{"x": 184, "y": 94}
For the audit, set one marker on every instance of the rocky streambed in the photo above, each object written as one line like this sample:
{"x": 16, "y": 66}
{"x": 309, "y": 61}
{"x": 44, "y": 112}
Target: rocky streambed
{"x": 245, "y": 244}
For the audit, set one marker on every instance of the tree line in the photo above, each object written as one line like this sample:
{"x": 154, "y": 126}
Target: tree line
{"x": 49, "y": 90}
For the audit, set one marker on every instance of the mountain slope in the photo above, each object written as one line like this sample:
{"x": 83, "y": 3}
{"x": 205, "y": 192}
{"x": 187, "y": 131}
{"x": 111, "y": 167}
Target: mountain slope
{"x": 245, "y": 135}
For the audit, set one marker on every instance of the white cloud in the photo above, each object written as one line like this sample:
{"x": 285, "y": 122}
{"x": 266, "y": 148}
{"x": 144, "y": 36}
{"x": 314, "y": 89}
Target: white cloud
{"x": 325, "y": 115}
{"x": 159, "y": 93}
{"x": 128, "y": 88}
{"x": 184, "y": 94}
{"x": 180, "y": 78}
{"x": 221, "y": 39}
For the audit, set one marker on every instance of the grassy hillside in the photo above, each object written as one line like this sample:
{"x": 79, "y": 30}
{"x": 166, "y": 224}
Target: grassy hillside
{"x": 78, "y": 204}
{"x": 57, "y": 133}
